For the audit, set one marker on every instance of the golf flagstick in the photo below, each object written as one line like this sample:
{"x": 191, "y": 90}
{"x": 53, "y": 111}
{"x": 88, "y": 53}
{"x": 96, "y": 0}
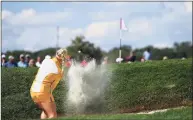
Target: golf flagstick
{"x": 122, "y": 27}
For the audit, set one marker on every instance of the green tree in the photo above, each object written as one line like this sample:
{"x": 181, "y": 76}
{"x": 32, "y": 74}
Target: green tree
{"x": 183, "y": 49}
{"x": 44, "y": 52}
{"x": 86, "y": 49}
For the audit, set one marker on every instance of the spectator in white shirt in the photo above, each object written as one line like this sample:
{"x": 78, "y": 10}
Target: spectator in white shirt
{"x": 119, "y": 60}
{"x": 3, "y": 60}
{"x": 147, "y": 54}
{"x": 22, "y": 63}
{"x": 38, "y": 63}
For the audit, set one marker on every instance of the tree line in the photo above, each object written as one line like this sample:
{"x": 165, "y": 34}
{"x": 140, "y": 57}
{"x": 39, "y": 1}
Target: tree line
{"x": 81, "y": 48}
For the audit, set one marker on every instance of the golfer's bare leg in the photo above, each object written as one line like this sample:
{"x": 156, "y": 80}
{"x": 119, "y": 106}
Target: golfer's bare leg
{"x": 54, "y": 107}
{"x": 43, "y": 115}
{"x": 50, "y": 109}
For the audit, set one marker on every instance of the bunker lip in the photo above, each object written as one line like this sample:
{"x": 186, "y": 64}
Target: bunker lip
{"x": 144, "y": 112}
{"x": 138, "y": 109}
{"x": 160, "y": 110}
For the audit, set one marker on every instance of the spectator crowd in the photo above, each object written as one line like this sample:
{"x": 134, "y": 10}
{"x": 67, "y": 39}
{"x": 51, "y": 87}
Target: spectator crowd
{"x": 24, "y": 61}
{"x": 132, "y": 57}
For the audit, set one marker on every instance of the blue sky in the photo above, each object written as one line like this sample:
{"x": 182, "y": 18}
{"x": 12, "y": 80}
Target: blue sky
{"x": 32, "y": 25}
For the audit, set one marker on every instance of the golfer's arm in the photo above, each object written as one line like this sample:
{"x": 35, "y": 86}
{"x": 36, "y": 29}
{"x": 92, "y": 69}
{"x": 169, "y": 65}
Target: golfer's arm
{"x": 51, "y": 78}
{"x": 55, "y": 83}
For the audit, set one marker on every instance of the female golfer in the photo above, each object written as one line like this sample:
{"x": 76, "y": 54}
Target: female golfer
{"x": 46, "y": 80}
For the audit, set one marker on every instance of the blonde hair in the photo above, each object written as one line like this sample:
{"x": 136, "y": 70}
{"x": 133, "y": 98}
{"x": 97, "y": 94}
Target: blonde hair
{"x": 62, "y": 53}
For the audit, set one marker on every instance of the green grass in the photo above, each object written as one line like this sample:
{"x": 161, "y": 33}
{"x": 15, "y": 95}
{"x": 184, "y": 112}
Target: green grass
{"x": 173, "y": 114}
